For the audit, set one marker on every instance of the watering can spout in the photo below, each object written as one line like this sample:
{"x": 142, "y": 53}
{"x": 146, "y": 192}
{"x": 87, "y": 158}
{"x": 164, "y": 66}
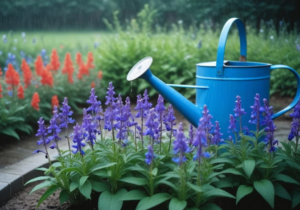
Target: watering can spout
{"x": 189, "y": 110}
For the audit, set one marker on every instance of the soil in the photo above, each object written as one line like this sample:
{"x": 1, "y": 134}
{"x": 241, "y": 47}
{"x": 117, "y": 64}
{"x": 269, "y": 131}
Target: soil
{"x": 23, "y": 201}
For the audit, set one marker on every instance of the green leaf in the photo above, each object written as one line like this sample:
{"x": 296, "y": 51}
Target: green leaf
{"x": 285, "y": 178}
{"x": 165, "y": 182}
{"x": 217, "y": 193}
{"x": 133, "y": 195}
{"x": 37, "y": 179}
{"x": 281, "y": 191}
{"x": 296, "y": 199}
{"x": 14, "y": 119}
{"x": 101, "y": 166}
{"x": 242, "y": 191}
{"x": 71, "y": 169}
{"x": 73, "y": 186}
{"x": 149, "y": 202}
{"x": 266, "y": 189}
{"x": 41, "y": 185}
{"x": 134, "y": 180}
{"x": 154, "y": 172}
{"x": 86, "y": 189}
{"x": 63, "y": 196}
{"x": 82, "y": 180}
{"x": 211, "y": 206}
{"x": 10, "y": 132}
{"x": 108, "y": 201}
{"x": 176, "y": 204}
{"x": 195, "y": 187}
{"x": 99, "y": 186}
{"x": 222, "y": 160}
{"x": 248, "y": 166}
{"x": 56, "y": 164}
{"x": 48, "y": 192}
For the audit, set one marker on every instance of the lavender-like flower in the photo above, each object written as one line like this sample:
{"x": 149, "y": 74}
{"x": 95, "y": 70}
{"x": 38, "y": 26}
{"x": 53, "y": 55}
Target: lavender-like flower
{"x": 257, "y": 109}
{"x": 54, "y": 129}
{"x": 205, "y": 122}
{"x": 270, "y": 127}
{"x": 146, "y": 105}
{"x": 78, "y": 136}
{"x": 191, "y": 134}
{"x": 94, "y": 103}
{"x": 90, "y": 128}
{"x": 217, "y": 136}
{"x": 65, "y": 115}
{"x": 151, "y": 125}
{"x": 42, "y": 132}
{"x": 180, "y": 146}
{"x": 160, "y": 108}
{"x": 110, "y": 99}
{"x": 238, "y": 110}
{"x": 109, "y": 111}
{"x": 295, "y": 123}
{"x": 232, "y": 126}
{"x": 149, "y": 155}
{"x": 169, "y": 118}
{"x": 200, "y": 142}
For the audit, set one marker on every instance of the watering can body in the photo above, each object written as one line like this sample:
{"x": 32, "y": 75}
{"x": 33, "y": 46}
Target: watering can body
{"x": 219, "y": 82}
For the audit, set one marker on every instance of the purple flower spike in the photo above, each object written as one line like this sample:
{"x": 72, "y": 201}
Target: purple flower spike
{"x": 205, "y": 120}
{"x": 191, "y": 134}
{"x": 216, "y": 139}
{"x": 232, "y": 126}
{"x": 149, "y": 155}
{"x": 270, "y": 127}
{"x": 296, "y": 122}
{"x": 169, "y": 118}
{"x": 42, "y": 132}
{"x": 257, "y": 110}
{"x": 78, "y": 136}
{"x": 94, "y": 103}
{"x": 65, "y": 115}
{"x": 180, "y": 146}
{"x": 200, "y": 142}
{"x": 151, "y": 124}
{"x": 110, "y": 99}
{"x": 90, "y": 128}
{"x": 239, "y": 111}
{"x": 160, "y": 108}
{"x": 146, "y": 104}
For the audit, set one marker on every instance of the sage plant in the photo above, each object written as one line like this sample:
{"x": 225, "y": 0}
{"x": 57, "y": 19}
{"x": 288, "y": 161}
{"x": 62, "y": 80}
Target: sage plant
{"x": 65, "y": 117}
{"x": 295, "y": 125}
{"x": 55, "y": 130}
{"x": 160, "y": 108}
{"x": 239, "y": 111}
{"x": 42, "y": 132}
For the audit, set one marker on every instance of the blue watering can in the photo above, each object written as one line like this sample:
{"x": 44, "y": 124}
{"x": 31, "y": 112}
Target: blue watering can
{"x": 218, "y": 83}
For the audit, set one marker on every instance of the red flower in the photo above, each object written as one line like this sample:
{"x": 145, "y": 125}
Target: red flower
{"x": 100, "y": 74}
{"x": 68, "y": 68}
{"x": 93, "y": 85}
{"x": 83, "y": 70}
{"x": 79, "y": 60}
{"x": 1, "y": 91}
{"x": 54, "y": 101}
{"x": 47, "y": 78}
{"x": 1, "y": 73}
{"x": 90, "y": 60}
{"x": 55, "y": 64}
{"x": 20, "y": 92}
{"x": 39, "y": 66}
{"x": 35, "y": 101}
{"x": 27, "y": 74}
{"x": 12, "y": 77}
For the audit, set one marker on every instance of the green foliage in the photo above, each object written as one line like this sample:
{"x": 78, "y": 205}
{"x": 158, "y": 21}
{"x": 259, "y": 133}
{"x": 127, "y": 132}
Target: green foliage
{"x": 114, "y": 173}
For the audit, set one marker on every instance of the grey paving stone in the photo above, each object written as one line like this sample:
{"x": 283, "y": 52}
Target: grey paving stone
{"x": 4, "y": 192}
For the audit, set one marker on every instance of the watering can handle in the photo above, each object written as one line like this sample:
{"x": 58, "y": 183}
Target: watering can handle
{"x": 222, "y": 43}
{"x": 289, "y": 107}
